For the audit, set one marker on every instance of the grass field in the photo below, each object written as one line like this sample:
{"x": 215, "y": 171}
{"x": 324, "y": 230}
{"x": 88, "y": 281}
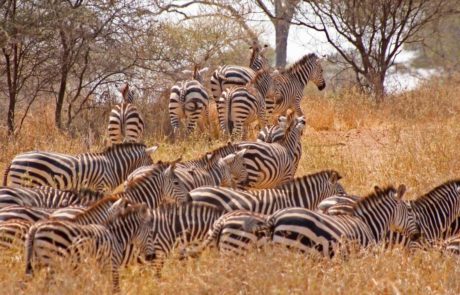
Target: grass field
{"x": 411, "y": 138}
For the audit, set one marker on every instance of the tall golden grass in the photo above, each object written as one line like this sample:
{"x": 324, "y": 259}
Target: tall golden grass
{"x": 410, "y": 138}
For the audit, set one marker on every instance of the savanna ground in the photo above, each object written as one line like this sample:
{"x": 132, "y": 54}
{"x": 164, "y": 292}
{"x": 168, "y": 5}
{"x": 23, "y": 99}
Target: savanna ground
{"x": 411, "y": 138}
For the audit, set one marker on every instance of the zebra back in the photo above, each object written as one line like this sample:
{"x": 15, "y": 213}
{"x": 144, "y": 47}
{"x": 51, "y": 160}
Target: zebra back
{"x": 306, "y": 191}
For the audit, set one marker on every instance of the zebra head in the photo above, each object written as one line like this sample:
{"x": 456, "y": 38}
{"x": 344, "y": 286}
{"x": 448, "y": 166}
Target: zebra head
{"x": 316, "y": 74}
{"x": 233, "y": 169}
{"x": 196, "y": 73}
{"x": 403, "y": 219}
{"x": 126, "y": 93}
{"x": 173, "y": 187}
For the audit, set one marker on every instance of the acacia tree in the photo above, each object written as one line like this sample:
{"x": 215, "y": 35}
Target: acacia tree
{"x": 369, "y": 34}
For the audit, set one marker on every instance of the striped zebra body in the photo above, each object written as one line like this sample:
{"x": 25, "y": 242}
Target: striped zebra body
{"x": 238, "y": 107}
{"x": 154, "y": 184}
{"x": 51, "y": 240}
{"x": 271, "y": 164}
{"x": 314, "y": 232}
{"x": 175, "y": 225}
{"x": 97, "y": 171}
{"x": 452, "y": 244}
{"x": 229, "y": 235}
{"x": 189, "y": 100}
{"x": 27, "y": 213}
{"x": 13, "y": 233}
{"x": 273, "y": 133}
{"x": 288, "y": 85}
{"x": 231, "y": 75}
{"x": 306, "y": 191}
{"x": 46, "y": 197}
{"x": 125, "y": 124}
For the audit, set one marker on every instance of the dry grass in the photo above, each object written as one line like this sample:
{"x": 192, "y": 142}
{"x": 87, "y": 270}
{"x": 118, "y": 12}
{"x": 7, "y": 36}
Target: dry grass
{"x": 411, "y": 138}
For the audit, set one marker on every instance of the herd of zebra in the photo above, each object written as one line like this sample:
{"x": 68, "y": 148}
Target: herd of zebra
{"x": 239, "y": 196}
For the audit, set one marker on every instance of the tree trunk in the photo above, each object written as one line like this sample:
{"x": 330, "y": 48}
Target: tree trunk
{"x": 377, "y": 83}
{"x": 281, "y": 34}
{"x": 63, "y": 83}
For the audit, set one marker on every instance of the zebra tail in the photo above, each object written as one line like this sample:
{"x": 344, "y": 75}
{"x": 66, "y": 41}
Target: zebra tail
{"x": 5, "y": 175}
{"x": 29, "y": 244}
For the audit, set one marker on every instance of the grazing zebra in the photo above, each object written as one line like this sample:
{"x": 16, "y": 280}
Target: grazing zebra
{"x": 288, "y": 85}
{"x": 314, "y": 232}
{"x": 228, "y": 234}
{"x": 231, "y": 75}
{"x": 98, "y": 213}
{"x": 154, "y": 184}
{"x": 306, "y": 191}
{"x": 175, "y": 225}
{"x": 338, "y": 204}
{"x": 102, "y": 171}
{"x": 50, "y": 240}
{"x": 47, "y": 197}
{"x": 189, "y": 100}
{"x": 239, "y": 106}
{"x": 271, "y": 164}
{"x": 125, "y": 121}
{"x": 273, "y": 133}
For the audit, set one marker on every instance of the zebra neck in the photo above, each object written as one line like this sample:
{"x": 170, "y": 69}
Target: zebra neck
{"x": 302, "y": 73}
{"x": 292, "y": 140}
{"x": 98, "y": 214}
{"x": 376, "y": 217}
{"x": 148, "y": 192}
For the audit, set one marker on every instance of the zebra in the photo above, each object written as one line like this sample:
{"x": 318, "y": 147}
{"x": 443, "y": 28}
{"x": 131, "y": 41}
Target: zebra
{"x": 229, "y": 235}
{"x": 179, "y": 225}
{"x": 452, "y": 244}
{"x": 223, "y": 166}
{"x": 125, "y": 121}
{"x": 51, "y": 240}
{"x": 272, "y": 164}
{"x": 47, "y": 197}
{"x": 288, "y": 85}
{"x": 190, "y": 100}
{"x": 306, "y": 191}
{"x": 338, "y": 204}
{"x": 314, "y": 232}
{"x": 25, "y": 217}
{"x": 273, "y": 133}
{"x": 239, "y": 106}
{"x": 155, "y": 184}
{"x": 232, "y": 75}
{"x": 102, "y": 171}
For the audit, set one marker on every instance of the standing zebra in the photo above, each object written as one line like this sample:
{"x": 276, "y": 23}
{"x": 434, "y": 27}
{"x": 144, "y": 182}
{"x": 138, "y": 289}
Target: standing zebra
{"x": 125, "y": 121}
{"x": 102, "y": 171}
{"x": 271, "y": 164}
{"x": 314, "y": 232}
{"x": 288, "y": 85}
{"x": 239, "y": 106}
{"x": 306, "y": 191}
{"x": 48, "y": 241}
{"x": 231, "y": 75}
{"x": 189, "y": 100}
{"x": 179, "y": 225}
{"x": 46, "y": 197}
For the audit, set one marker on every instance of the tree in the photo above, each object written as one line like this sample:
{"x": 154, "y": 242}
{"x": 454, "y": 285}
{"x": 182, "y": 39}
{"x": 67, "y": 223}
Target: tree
{"x": 369, "y": 34}
{"x": 281, "y": 15}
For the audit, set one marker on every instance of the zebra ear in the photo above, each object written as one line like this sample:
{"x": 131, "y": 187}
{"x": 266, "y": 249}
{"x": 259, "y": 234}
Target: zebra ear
{"x": 400, "y": 192}
{"x": 151, "y": 150}
{"x": 378, "y": 190}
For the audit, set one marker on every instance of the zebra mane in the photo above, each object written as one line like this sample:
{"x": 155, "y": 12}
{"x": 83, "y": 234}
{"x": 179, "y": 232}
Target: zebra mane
{"x": 376, "y": 196}
{"x": 120, "y": 146}
{"x": 147, "y": 173}
{"x": 432, "y": 193}
{"x": 131, "y": 210}
{"x": 300, "y": 63}
{"x": 327, "y": 173}
{"x": 97, "y": 205}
